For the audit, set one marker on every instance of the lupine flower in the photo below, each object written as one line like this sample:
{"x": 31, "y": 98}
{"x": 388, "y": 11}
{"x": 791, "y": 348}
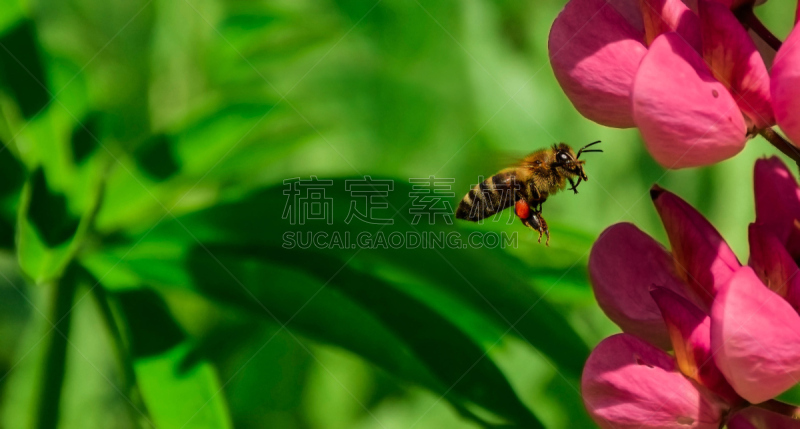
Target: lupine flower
{"x": 756, "y": 335}
{"x": 691, "y": 80}
{"x": 735, "y": 331}
{"x": 777, "y": 201}
{"x": 628, "y": 383}
{"x": 785, "y": 86}
{"x": 661, "y": 300}
{"x": 757, "y": 328}
{"x": 757, "y": 418}
{"x": 625, "y": 263}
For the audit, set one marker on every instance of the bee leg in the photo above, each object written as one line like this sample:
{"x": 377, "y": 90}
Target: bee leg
{"x": 574, "y": 187}
{"x": 543, "y": 225}
{"x": 532, "y": 218}
{"x": 534, "y": 223}
{"x": 538, "y": 224}
{"x": 539, "y": 240}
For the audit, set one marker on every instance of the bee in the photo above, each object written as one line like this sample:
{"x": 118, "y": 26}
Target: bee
{"x": 526, "y": 186}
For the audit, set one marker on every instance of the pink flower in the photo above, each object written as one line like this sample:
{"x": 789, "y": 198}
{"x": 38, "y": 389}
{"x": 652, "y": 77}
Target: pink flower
{"x": 628, "y": 383}
{"x": 777, "y": 199}
{"x": 735, "y": 331}
{"x": 661, "y": 300}
{"x": 757, "y": 418}
{"x": 625, "y": 263}
{"x": 756, "y": 335}
{"x": 785, "y": 86}
{"x": 757, "y": 328}
{"x": 690, "y": 79}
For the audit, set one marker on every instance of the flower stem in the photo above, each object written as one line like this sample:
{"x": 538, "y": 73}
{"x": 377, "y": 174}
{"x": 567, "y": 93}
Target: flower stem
{"x": 782, "y": 144}
{"x": 47, "y": 406}
{"x": 781, "y": 408}
{"x": 120, "y": 345}
{"x": 748, "y": 18}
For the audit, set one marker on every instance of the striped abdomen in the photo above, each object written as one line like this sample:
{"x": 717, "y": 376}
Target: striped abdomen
{"x": 491, "y": 196}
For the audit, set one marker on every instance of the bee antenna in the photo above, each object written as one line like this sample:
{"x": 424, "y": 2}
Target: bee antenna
{"x": 586, "y": 150}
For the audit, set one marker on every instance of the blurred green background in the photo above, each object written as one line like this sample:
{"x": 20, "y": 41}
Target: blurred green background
{"x": 145, "y": 147}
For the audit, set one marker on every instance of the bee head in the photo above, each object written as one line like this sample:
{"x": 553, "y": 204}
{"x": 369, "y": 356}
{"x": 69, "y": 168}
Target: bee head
{"x": 567, "y": 161}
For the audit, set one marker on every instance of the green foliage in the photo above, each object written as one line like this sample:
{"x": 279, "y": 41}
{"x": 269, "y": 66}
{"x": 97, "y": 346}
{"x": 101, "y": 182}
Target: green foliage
{"x": 146, "y": 276}
{"x": 159, "y": 348}
{"x": 22, "y": 71}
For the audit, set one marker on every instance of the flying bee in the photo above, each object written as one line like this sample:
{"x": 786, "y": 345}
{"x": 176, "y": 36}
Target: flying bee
{"x": 526, "y": 186}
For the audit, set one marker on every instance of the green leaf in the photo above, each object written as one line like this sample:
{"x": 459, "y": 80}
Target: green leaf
{"x": 13, "y": 11}
{"x": 35, "y": 399}
{"x": 490, "y": 280}
{"x": 433, "y": 301}
{"x": 159, "y": 347}
{"x": 146, "y": 314}
{"x": 48, "y": 212}
{"x": 84, "y": 138}
{"x": 156, "y": 159}
{"x": 161, "y": 380}
{"x": 12, "y": 179}
{"x": 12, "y": 172}
{"x": 791, "y": 396}
{"x": 46, "y": 230}
{"x": 51, "y": 224}
{"x": 21, "y": 69}
{"x": 451, "y": 355}
{"x": 385, "y": 327}
{"x": 48, "y": 233}
{"x": 329, "y": 316}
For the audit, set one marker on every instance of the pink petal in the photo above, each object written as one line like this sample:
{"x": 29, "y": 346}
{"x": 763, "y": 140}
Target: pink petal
{"x": 756, "y": 335}
{"x": 773, "y": 265}
{"x": 594, "y": 52}
{"x": 778, "y": 202}
{"x": 739, "y": 421}
{"x": 627, "y": 383}
{"x": 623, "y": 265}
{"x": 702, "y": 257}
{"x": 757, "y": 418}
{"x": 686, "y": 117}
{"x": 664, "y": 16}
{"x": 690, "y": 331}
{"x": 736, "y": 63}
{"x": 785, "y": 86}
{"x": 631, "y": 11}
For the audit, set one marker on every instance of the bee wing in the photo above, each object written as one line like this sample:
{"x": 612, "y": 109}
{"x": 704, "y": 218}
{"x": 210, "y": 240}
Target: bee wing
{"x": 506, "y": 156}
{"x": 500, "y": 161}
{"x": 496, "y": 161}
{"x": 517, "y": 159}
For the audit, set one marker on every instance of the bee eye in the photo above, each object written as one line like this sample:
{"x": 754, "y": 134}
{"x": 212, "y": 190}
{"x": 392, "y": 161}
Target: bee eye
{"x": 563, "y": 157}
